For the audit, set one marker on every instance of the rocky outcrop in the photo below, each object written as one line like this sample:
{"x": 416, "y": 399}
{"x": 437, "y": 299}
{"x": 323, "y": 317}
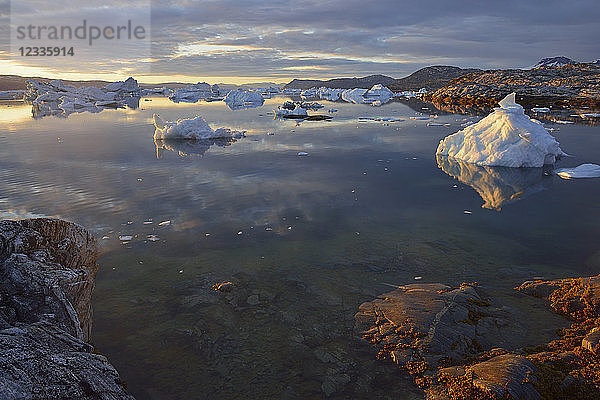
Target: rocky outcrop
{"x": 561, "y": 87}
{"x": 47, "y": 271}
{"x": 448, "y": 339}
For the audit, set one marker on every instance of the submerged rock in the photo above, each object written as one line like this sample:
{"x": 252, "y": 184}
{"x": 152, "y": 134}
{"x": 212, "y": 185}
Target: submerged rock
{"x": 47, "y": 271}
{"x": 425, "y": 329}
{"x": 505, "y": 138}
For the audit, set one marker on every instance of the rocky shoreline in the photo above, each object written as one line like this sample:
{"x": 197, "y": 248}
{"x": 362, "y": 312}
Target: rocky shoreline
{"x": 452, "y": 341}
{"x": 565, "y": 87}
{"x": 47, "y": 272}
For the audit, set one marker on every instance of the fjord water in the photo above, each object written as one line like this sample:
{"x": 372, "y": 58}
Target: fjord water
{"x": 305, "y": 240}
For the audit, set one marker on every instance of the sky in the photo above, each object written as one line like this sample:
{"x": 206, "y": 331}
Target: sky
{"x": 259, "y": 41}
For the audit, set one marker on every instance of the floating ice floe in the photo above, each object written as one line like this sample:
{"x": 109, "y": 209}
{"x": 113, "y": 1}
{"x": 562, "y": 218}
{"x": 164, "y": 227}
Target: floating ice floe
{"x": 497, "y": 186}
{"x": 582, "y": 171}
{"x": 196, "y": 92}
{"x": 57, "y": 98}
{"x": 237, "y": 99}
{"x": 190, "y": 129}
{"x": 507, "y": 137}
{"x": 329, "y": 94}
{"x": 541, "y": 109}
{"x": 125, "y": 238}
{"x": 296, "y": 112}
{"x": 302, "y": 153}
{"x": 354, "y": 95}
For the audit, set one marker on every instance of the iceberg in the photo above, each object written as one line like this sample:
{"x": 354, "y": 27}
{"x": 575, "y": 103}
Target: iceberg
{"x": 57, "y": 98}
{"x": 582, "y": 171}
{"x": 497, "y": 186}
{"x": 195, "y": 92}
{"x": 297, "y": 112}
{"x": 505, "y": 138}
{"x": 237, "y": 99}
{"x": 377, "y": 95}
{"x": 354, "y": 95}
{"x": 190, "y": 129}
{"x": 329, "y": 94}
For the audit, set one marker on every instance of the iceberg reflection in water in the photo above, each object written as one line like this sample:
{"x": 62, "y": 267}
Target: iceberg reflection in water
{"x": 189, "y": 147}
{"x": 496, "y": 185}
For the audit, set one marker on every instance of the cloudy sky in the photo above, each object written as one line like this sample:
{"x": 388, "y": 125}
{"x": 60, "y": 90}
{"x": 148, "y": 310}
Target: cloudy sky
{"x": 251, "y": 41}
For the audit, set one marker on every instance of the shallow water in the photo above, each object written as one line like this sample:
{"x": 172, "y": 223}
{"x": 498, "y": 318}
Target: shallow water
{"x": 305, "y": 240}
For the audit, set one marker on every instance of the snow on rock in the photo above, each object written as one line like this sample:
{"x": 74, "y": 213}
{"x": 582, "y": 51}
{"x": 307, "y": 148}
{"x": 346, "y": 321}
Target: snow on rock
{"x": 243, "y": 99}
{"x": 190, "y": 129}
{"x": 506, "y": 138}
{"x": 582, "y": 171}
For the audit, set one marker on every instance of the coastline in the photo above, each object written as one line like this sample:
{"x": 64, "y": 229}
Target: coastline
{"x": 47, "y": 270}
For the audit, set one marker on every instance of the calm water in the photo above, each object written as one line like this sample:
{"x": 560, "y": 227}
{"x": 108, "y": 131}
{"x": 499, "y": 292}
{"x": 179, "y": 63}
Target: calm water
{"x": 305, "y": 240}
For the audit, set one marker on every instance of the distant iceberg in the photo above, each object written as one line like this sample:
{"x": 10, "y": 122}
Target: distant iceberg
{"x": 507, "y": 138}
{"x": 297, "y": 112}
{"x": 190, "y": 129}
{"x": 582, "y": 171}
{"x": 57, "y": 98}
{"x": 377, "y": 95}
{"x": 329, "y": 94}
{"x": 195, "y": 92}
{"x": 237, "y": 99}
{"x": 355, "y": 96}
{"x": 497, "y": 186}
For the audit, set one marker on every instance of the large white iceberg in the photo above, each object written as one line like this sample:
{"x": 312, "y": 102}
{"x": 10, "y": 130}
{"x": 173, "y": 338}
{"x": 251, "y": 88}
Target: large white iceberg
{"x": 190, "y": 129}
{"x": 243, "y": 98}
{"x": 582, "y": 171}
{"x": 505, "y": 138}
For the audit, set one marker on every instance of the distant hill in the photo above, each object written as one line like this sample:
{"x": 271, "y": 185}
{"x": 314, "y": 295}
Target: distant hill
{"x": 431, "y": 78}
{"x": 366, "y": 82}
{"x": 16, "y": 82}
{"x": 553, "y": 62}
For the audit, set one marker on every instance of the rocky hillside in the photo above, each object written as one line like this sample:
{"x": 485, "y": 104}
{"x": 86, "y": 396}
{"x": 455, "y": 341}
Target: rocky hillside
{"x": 431, "y": 78}
{"x": 567, "y": 86}
{"x": 47, "y": 271}
{"x": 366, "y": 82}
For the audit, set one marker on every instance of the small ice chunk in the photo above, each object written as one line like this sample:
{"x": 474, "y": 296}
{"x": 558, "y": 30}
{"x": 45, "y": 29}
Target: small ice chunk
{"x": 302, "y": 153}
{"x": 540, "y": 109}
{"x": 582, "y": 171}
{"x": 125, "y": 238}
{"x": 467, "y": 212}
{"x": 165, "y": 223}
{"x": 152, "y": 238}
{"x": 105, "y": 237}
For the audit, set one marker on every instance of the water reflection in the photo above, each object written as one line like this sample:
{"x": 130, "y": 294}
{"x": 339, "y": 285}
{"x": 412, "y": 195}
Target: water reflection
{"x": 496, "y": 185}
{"x": 189, "y": 147}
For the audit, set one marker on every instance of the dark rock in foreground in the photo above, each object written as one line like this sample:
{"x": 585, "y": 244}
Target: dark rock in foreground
{"x": 47, "y": 271}
{"x": 445, "y": 336}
